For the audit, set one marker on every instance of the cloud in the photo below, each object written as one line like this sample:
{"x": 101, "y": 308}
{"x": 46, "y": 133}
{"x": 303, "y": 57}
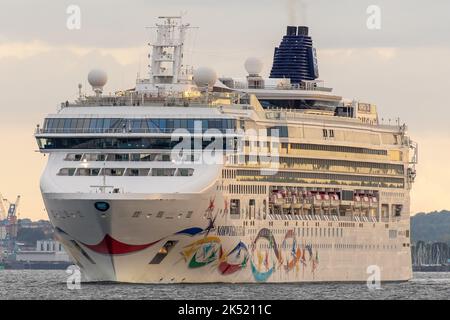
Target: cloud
{"x": 346, "y": 54}
{"x": 334, "y": 24}
{"x": 24, "y": 50}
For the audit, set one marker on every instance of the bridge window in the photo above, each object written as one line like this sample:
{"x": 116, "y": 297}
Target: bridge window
{"x": 73, "y": 157}
{"x": 115, "y": 143}
{"x": 163, "y": 172}
{"x": 137, "y": 172}
{"x": 185, "y": 172}
{"x": 130, "y": 172}
{"x": 87, "y": 171}
{"x": 113, "y": 171}
{"x": 143, "y": 125}
{"x": 66, "y": 172}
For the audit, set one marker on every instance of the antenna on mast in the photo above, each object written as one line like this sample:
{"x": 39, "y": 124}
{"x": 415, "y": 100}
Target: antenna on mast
{"x": 166, "y": 59}
{"x": 167, "y": 73}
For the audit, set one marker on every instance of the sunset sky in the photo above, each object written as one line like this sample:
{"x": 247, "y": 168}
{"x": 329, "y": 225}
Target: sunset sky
{"x": 404, "y": 67}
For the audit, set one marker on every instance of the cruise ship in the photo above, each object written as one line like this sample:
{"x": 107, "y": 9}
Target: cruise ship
{"x": 191, "y": 178}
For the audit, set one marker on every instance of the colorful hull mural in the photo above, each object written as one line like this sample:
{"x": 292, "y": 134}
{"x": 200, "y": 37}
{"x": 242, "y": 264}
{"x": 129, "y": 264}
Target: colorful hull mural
{"x": 263, "y": 262}
{"x": 235, "y": 260}
{"x": 209, "y": 249}
{"x": 265, "y": 255}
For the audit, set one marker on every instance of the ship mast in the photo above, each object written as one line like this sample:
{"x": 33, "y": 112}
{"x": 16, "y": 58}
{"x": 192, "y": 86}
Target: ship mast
{"x": 166, "y": 59}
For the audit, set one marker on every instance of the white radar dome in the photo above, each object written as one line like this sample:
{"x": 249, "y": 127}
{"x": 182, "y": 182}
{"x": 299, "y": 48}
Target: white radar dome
{"x": 205, "y": 77}
{"x": 253, "y": 66}
{"x": 97, "y": 79}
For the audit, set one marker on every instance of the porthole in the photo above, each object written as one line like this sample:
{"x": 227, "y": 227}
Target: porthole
{"x": 101, "y": 206}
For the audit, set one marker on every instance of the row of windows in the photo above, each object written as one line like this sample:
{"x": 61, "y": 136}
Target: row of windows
{"x": 309, "y": 175}
{"x": 133, "y": 172}
{"x": 332, "y": 148}
{"x": 342, "y": 165}
{"x": 166, "y": 143}
{"x": 320, "y": 232}
{"x": 354, "y": 246}
{"x": 351, "y": 246}
{"x": 243, "y": 189}
{"x": 111, "y": 125}
{"x": 63, "y": 214}
{"x": 160, "y": 214}
{"x": 347, "y": 224}
{"x": 50, "y": 246}
{"x": 228, "y": 174}
{"x": 146, "y": 157}
{"x": 333, "y": 165}
{"x": 328, "y": 133}
{"x": 321, "y": 178}
{"x": 308, "y": 232}
{"x": 393, "y": 194}
{"x": 120, "y": 143}
{"x": 260, "y": 144}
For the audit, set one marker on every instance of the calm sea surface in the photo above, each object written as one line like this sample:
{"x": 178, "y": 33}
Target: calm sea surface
{"x": 49, "y": 284}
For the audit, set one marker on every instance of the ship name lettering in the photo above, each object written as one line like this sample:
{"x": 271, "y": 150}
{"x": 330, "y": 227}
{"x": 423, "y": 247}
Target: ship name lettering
{"x": 233, "y": 231}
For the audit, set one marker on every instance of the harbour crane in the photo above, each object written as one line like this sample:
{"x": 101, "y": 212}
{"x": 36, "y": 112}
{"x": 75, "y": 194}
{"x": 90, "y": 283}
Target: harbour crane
{"x": 10, "y": 223}
{"x": 12, "y": 217}
{"x": 2, "y": 208}
{"x": 2, "y": 223}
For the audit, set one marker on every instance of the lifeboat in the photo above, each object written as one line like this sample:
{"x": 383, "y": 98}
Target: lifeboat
{"x": 334, "y": 200}
{"x": 296, "y": 202}
{"x": 373, "y": 202}
{"x": 307, "y": 201}
{"x": 317, "y": 200}
{"x": 365, "y": 202}
{"x": 357, "y": 205}
{"x": 279, "y": 200}
{"x": 326, "y": 202}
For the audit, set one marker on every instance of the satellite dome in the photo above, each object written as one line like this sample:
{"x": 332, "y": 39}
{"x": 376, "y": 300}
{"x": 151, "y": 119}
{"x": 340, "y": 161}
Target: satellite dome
{"x": 97, "y": 79}
{"x": 253, "y": 66}
{"x": 204, "y": 77}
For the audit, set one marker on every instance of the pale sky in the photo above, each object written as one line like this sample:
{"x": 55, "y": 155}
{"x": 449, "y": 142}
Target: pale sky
{"x": 403, "y": 68}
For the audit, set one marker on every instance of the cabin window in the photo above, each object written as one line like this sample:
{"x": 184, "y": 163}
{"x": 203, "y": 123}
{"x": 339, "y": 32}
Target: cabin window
{"x": 66, "y": 172}
{"x": 163, "y": 172}
{"x": 398, "y": 208}
{"x": 235, "y": 207}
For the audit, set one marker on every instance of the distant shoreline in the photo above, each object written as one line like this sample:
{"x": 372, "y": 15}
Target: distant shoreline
{"x": 445, "y": 268}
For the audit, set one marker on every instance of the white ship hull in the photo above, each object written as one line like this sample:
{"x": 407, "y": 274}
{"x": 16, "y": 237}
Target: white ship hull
{"x": 202, "y": 254}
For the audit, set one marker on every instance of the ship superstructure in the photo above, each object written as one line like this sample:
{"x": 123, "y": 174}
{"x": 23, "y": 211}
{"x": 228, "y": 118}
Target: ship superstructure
{"x": 199, "y": 179}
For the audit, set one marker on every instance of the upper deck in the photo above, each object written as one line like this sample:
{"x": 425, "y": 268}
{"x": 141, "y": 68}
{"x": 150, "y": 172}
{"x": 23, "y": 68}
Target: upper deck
{"x": 197, "y": 105}
{"x": 172, "y": 98}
